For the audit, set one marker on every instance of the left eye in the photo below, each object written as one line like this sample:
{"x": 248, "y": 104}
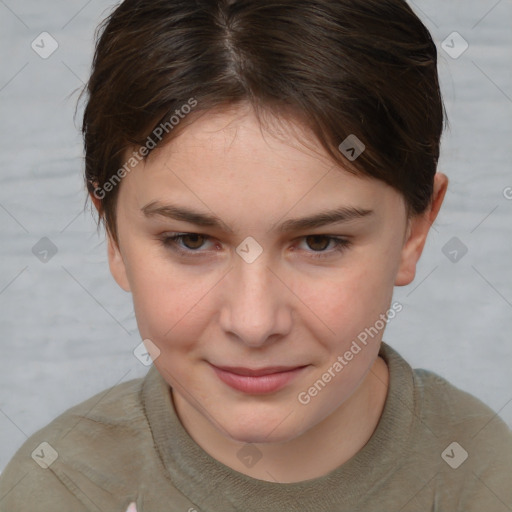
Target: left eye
{"x": 319, "y": 243}
{"x": 191, "y": 243}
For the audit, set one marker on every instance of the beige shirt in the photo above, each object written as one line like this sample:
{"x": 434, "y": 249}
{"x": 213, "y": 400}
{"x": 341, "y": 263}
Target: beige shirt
{"x": 436, "y": 448}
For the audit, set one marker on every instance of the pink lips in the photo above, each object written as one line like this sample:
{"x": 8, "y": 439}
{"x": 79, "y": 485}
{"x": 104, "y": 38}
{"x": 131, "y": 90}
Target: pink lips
{"x": 260, "y": 381}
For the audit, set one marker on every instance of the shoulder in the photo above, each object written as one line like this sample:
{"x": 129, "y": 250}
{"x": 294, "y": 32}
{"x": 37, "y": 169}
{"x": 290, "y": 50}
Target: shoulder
{"x": 446, "y": 404}
{"x": 472, "y": 439}
{"x": 457, "y": 450}
{"x": 437, "y": 402}
{"x": 67, "y": 460}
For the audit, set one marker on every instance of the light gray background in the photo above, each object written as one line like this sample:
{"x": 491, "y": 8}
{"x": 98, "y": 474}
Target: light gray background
{"x": 68, "y": 332}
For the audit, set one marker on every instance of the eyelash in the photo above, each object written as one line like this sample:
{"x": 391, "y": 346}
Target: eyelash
{"x": 171, "y": 242}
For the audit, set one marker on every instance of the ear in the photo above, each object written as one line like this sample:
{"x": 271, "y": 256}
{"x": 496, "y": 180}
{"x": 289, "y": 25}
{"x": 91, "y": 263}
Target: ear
{"x": 417, "y": 231}
{"x": 115, "y": 258}
{"x": 116, "y": 264}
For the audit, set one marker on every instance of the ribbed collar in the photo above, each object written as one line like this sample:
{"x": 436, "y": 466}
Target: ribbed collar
{"x": 208, "y": 483}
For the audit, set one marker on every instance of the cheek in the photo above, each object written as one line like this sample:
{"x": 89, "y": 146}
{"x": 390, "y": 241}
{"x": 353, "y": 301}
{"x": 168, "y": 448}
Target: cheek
{"x": 349, "y": 299}
{"x": 168, "y": 298}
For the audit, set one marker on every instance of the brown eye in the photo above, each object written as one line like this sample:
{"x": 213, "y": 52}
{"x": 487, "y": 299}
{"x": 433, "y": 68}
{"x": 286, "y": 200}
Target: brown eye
{"x": 186, "y": 243}
{"x": 192, "y": 240}
{"x": 318, "y": 242}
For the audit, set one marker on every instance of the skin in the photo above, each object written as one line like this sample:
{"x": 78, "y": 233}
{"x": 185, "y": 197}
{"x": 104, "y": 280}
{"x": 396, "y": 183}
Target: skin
{"x": 285, "y": 308}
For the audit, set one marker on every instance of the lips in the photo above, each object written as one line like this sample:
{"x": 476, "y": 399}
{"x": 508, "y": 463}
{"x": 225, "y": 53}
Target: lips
{"x": 257, "y": 381}
{"x": 238, "y": 370}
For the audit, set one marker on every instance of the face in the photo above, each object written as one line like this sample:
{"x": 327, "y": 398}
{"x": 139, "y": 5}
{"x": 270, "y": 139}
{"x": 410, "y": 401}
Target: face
{"x": 249, "y": 284}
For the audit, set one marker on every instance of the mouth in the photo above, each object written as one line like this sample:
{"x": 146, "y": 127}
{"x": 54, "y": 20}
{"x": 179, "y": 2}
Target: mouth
{"x": 238, "y": 370}
{"x": 257, "y": 381}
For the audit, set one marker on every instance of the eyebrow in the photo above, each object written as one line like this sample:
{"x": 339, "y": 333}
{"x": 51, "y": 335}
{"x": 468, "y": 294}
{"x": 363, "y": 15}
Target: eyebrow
{"x": 338, "y": 215}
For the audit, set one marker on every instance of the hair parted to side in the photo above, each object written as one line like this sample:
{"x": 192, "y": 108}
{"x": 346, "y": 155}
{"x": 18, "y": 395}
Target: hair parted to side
{"x": 340, "y": 67}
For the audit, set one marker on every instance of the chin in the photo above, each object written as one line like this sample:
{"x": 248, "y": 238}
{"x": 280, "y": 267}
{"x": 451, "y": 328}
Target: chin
{"x": 262, "y": 430}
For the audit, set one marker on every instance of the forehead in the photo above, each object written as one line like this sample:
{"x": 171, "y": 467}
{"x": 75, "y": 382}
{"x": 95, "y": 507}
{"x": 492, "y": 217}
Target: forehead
{"x": 236, "y": 130}
{"x": 227, "y": 161}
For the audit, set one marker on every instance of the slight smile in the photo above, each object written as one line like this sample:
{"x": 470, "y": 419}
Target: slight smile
{"x": 257, "y": 381}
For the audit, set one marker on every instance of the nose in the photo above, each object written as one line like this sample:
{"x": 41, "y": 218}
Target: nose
{"x": 256, "y": 305}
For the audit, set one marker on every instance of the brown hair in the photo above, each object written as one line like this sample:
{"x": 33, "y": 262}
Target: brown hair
{"x": 361, "y": 67}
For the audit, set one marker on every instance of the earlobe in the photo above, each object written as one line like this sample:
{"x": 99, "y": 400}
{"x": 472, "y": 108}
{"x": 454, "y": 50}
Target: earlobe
{"x": 117, "y": 265}
{"x": 417, "y": 231}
